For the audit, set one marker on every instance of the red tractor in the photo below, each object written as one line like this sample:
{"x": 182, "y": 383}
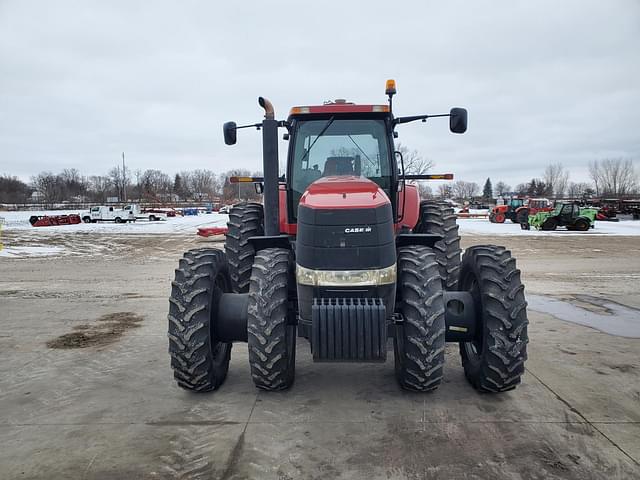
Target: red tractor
{"x": 500, "y": 213}
{"x": 531, "y": 207}
{"x": 343, "y": 253}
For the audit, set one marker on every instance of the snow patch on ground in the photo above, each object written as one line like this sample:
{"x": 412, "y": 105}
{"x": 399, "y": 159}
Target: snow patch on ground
{"x": 18, "y": 252}
{"x": 482, "y": 226}
{"x": 188, "y": 224}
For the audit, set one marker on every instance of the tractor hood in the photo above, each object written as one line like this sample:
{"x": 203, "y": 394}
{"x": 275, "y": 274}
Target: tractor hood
{"x": 344, "y": 192}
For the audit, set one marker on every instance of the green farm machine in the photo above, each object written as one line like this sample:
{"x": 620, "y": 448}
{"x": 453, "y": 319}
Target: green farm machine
{"x": 565, "y": 214}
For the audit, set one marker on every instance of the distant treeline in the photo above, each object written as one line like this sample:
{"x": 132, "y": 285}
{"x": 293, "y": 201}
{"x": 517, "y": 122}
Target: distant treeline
{"x": 612, "y": 178}
{"x": 154, "y": 186}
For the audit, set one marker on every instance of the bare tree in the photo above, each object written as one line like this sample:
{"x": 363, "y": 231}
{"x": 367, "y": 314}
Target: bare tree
{"x": 556, "y": 179}
{"x": 154, "y": 184}
{"x": 502, "y": 188}
{"x": 75, "y": 185}
{"x": 414, "y": 163}
{"x": 579, "y": 189}
{"x": 120, "y": 180}
{"x": 613, "y": 176}
{"x": 465, "y": 190}
{"x": 538, "y": 188}
{"x": 202, "y": 184}
{"x": 50, "y": 187}
{"x": 521, "y": 189}
{"x": 99, "y": 187}
{"x": 13, "y": 190}
{"x": 424, "y": 190}
{"x": 445, "y": 190}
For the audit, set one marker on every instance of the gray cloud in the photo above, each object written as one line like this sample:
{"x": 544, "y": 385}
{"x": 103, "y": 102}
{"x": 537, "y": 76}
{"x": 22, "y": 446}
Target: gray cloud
{"x": 543, "y": 81}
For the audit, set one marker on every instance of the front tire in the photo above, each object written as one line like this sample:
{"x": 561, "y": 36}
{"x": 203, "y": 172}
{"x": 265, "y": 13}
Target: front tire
{"x": 271, "y": 339}
{"x": 199, "y": 362}
{"x": 246, "y": 220}
{"x": 419, "y": 342}
{"x": 494, "y": 361}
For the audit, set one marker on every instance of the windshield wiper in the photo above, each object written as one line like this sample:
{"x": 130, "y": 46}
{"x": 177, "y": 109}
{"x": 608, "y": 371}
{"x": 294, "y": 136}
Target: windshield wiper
{"x": 324, "y": 129}
{"x": 361, "y": 151}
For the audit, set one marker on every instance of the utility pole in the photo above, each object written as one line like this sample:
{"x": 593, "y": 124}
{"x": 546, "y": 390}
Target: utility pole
{"x": 124, "y": 180}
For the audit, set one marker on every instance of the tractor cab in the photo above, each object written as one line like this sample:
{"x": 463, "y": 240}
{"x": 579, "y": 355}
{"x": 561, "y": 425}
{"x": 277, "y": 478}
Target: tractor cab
{"x": 339, "y": 139}
{"x": 566, "y": 212}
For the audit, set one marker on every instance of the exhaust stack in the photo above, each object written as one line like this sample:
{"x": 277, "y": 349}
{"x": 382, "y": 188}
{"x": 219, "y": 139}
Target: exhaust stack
{"x": 270, "y": 168}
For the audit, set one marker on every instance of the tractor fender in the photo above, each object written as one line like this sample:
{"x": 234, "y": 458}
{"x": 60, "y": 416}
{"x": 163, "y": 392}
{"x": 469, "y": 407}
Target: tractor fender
{"x": 263, "y": 242}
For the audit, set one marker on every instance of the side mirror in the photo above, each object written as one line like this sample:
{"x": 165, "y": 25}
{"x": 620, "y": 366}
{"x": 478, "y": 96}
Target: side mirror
{"x": 229, "y": 130}
{"x": 458, "y": 120}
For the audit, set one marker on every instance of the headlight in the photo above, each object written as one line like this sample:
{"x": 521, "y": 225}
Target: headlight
{"x": 346, "y": 278}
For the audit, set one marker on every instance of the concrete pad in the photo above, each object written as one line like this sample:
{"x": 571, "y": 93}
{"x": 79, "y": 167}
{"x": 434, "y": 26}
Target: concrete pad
{"x": 119, "y": 451}
{"x": 114, "y": 411}
{"x": 415, "y": 450}
{"x": 625, "y": 435}
{"x": 596, "y": 373}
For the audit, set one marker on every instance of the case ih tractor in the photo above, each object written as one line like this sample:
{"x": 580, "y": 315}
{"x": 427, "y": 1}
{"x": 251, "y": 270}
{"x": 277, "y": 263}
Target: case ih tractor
{"x": 343, "y": 253}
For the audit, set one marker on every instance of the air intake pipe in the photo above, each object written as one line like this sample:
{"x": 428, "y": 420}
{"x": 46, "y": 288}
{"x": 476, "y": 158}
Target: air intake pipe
{"x": 270, "y": 168}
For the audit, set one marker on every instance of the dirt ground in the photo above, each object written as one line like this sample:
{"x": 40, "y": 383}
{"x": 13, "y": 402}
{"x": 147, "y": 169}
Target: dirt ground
{"x": 86, "y": 390}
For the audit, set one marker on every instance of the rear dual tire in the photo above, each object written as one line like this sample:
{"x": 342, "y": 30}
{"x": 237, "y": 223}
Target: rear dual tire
{"x": 438, "y": 218}
{"x": 246, "y": 220}
{"x": 200, "y": 362}
{"x": 494, "y": 361}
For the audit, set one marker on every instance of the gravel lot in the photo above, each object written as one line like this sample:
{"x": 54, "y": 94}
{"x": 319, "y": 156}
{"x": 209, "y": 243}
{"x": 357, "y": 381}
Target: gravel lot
{"x": 111, "y": 409}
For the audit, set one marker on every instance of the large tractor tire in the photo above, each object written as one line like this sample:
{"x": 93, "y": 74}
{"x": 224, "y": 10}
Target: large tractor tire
{"x": 499, "y": 218}
{"x": 494, "y": 361}
{"x": 199, "y": 362}
{"x": 522, "y": 216}
{"x": 419, "y": 342}
{"x": 550, "y": 224}
{"x": 580, "y": 224}
{"x": 246, "y": 220}
{"x": 438, "y": 218}
{"x": 271, "y": 339}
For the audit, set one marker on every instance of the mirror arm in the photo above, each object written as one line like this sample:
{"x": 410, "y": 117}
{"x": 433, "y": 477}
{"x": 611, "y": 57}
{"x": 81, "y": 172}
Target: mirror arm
{"x": 258, "y": 126}
{"x": 413, "y": 118}
{"x": 255, "y": 125}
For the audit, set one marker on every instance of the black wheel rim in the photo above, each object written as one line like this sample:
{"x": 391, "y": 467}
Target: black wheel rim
{"x": 219, "y": 350}
{"x": 474, "y": 349}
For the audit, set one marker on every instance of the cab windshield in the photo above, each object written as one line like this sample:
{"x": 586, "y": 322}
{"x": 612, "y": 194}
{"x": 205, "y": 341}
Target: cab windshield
{"x": 333, "y": 146}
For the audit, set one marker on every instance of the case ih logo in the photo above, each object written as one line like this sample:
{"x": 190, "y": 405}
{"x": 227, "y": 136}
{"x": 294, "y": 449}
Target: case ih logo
{"x": 357, "y": 230}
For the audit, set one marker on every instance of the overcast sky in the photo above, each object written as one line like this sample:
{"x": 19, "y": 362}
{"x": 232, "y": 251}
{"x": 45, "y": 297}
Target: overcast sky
{"x": 543, "y": 81}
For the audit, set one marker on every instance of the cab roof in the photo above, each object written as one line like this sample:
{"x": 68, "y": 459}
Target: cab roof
{"x": 338, "y": 106}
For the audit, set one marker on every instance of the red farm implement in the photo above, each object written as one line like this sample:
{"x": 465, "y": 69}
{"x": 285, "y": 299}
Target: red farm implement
{"x": 54, "y": 220}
